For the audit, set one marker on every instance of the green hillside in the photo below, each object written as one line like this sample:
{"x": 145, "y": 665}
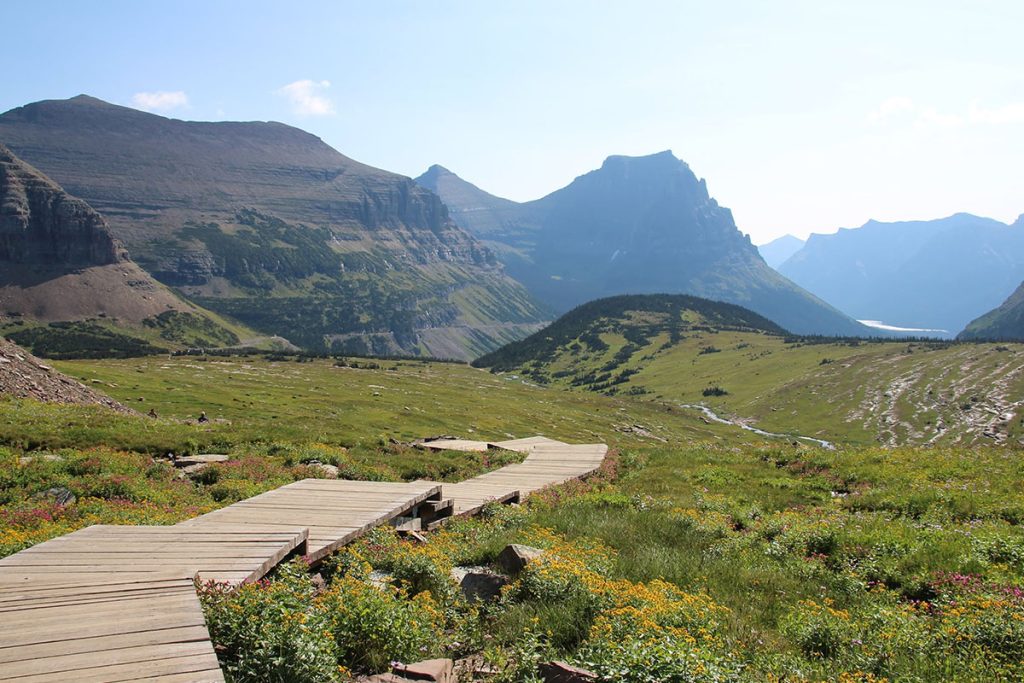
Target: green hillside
{"x": 856, "y": 391}
{"x": 1005, "y": 322}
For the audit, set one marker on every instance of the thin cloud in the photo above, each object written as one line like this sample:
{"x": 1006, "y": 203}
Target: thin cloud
{"x": 306, "y": 97}
{"x": 931, "y": 118}
{"x": 1010, "y": 113}
{"x": 891, "y": 107}
{"x": 160, "y": 100}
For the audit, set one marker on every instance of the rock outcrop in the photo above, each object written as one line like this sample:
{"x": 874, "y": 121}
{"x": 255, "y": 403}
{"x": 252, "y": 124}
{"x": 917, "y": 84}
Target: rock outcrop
{"x": 22, "y": 375}
{"x": 59, "y": 260}
{"x": 41, "y": 224}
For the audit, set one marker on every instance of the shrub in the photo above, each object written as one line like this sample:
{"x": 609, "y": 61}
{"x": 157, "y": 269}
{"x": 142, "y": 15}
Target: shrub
{"x": 372, "y": 626}
{"x": 272, "y": 630}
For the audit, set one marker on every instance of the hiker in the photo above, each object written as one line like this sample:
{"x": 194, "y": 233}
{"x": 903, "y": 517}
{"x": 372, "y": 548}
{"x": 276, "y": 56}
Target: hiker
{"x": 152, "y": 412}
{"x": 202, "y": 417}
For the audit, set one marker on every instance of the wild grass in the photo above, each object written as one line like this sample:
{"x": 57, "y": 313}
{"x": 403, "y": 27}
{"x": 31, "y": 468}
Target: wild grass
{"x": 707, "y": 557}
{"x": 849, "y": 391}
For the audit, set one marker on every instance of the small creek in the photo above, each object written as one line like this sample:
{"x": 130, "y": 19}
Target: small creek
{"x": 711, "y": 415}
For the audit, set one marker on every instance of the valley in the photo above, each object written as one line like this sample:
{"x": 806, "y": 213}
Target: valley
{"x": 765, "y": 505}
{"x": 853, "y": 391}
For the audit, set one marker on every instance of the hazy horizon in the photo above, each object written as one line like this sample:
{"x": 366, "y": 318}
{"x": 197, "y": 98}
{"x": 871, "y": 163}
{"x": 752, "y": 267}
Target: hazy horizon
{"x": 803, "y": 119}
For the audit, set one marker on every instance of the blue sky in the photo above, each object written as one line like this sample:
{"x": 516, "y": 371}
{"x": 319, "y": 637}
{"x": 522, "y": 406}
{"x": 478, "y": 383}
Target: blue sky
{"x": 803, "y": 116}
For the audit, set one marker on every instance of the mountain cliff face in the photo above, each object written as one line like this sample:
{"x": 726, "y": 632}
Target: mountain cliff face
{"x": 937, "y": 274}
{"x": 636, "y": 225}
{"x": 59, "y": 260}
{"x": 268, "y": 224}
{"x": 41, "y": 224}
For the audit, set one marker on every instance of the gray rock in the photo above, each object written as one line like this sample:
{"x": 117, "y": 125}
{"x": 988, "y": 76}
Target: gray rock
{"x": 514, "y": 558}
{"x": 560, "y": 672}
{"x": 200, "y": 459}
{"x": 381, "y": 579}
{"x": 483, "y": 585}
{"x": 330, "y": 471}
{"x": 60, "y": 495}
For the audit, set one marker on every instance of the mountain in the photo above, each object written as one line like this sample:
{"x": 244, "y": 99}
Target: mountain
{"x": 60, "y": 266}
{"x": 938, "y": 274}
{"x": 267, "y": 224}
{"x": 482, "y": 214}
{"x": 59, "y": 258}
{"x": 778, "y": 250}
{"x": 639, "y": 318}
{"x": 1005, "y": 323}
{"x": 637, "y": 225}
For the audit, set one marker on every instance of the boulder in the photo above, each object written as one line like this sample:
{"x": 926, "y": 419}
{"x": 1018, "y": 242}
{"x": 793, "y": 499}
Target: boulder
{"x": 560, "y": 672}
{"x": 482, "y": 584}
{"x": 59, "y": 495}
{"x": 189, "y": 471}
{"x": 514, "y": 558}
{"x": 330, "y": 471}
{"x": 440, "y": 670}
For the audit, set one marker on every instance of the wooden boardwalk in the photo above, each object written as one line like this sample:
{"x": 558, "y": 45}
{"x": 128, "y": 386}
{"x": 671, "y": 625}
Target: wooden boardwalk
{"x": 548, "y": 463}
{"x": 104, "y": 628}
{"x": 335, "y": 511}
{"x": 224, "y": 553}
{"x": 118, "y": 603}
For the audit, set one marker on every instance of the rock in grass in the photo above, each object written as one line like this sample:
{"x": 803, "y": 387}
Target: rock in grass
{"x": 200, "y": 459}
{"x": 59, "y": 495}
{"x": 440, "y": 670}
{"x": 329, "y": 471}
{"x": 560, "y": 672}
{"x": 482, "y": 584}
{"x": 514, "y": 558}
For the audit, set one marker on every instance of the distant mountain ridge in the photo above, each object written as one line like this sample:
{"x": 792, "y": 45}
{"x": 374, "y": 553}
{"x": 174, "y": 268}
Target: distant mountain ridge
{"x": 268, "y": 224}
{"x": 779, "y": 249}
{"x": 637, "y": 225}
{"x": 938, "y": 274}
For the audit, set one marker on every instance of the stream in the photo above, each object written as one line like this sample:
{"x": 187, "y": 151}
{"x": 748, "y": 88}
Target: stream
{"x": 713, "y": 416}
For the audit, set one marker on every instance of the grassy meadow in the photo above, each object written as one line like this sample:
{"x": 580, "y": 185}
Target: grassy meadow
{"x": 700, "y": 553}
{"x": 863, "y": 392}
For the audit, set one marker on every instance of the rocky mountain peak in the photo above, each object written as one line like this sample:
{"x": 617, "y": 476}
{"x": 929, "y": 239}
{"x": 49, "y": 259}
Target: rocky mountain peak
{"x": 643, "y": 224}
{"x": 435, "y": 171}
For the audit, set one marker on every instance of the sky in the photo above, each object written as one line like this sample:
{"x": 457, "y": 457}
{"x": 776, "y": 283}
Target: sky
{"x": 803, "y": 116}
